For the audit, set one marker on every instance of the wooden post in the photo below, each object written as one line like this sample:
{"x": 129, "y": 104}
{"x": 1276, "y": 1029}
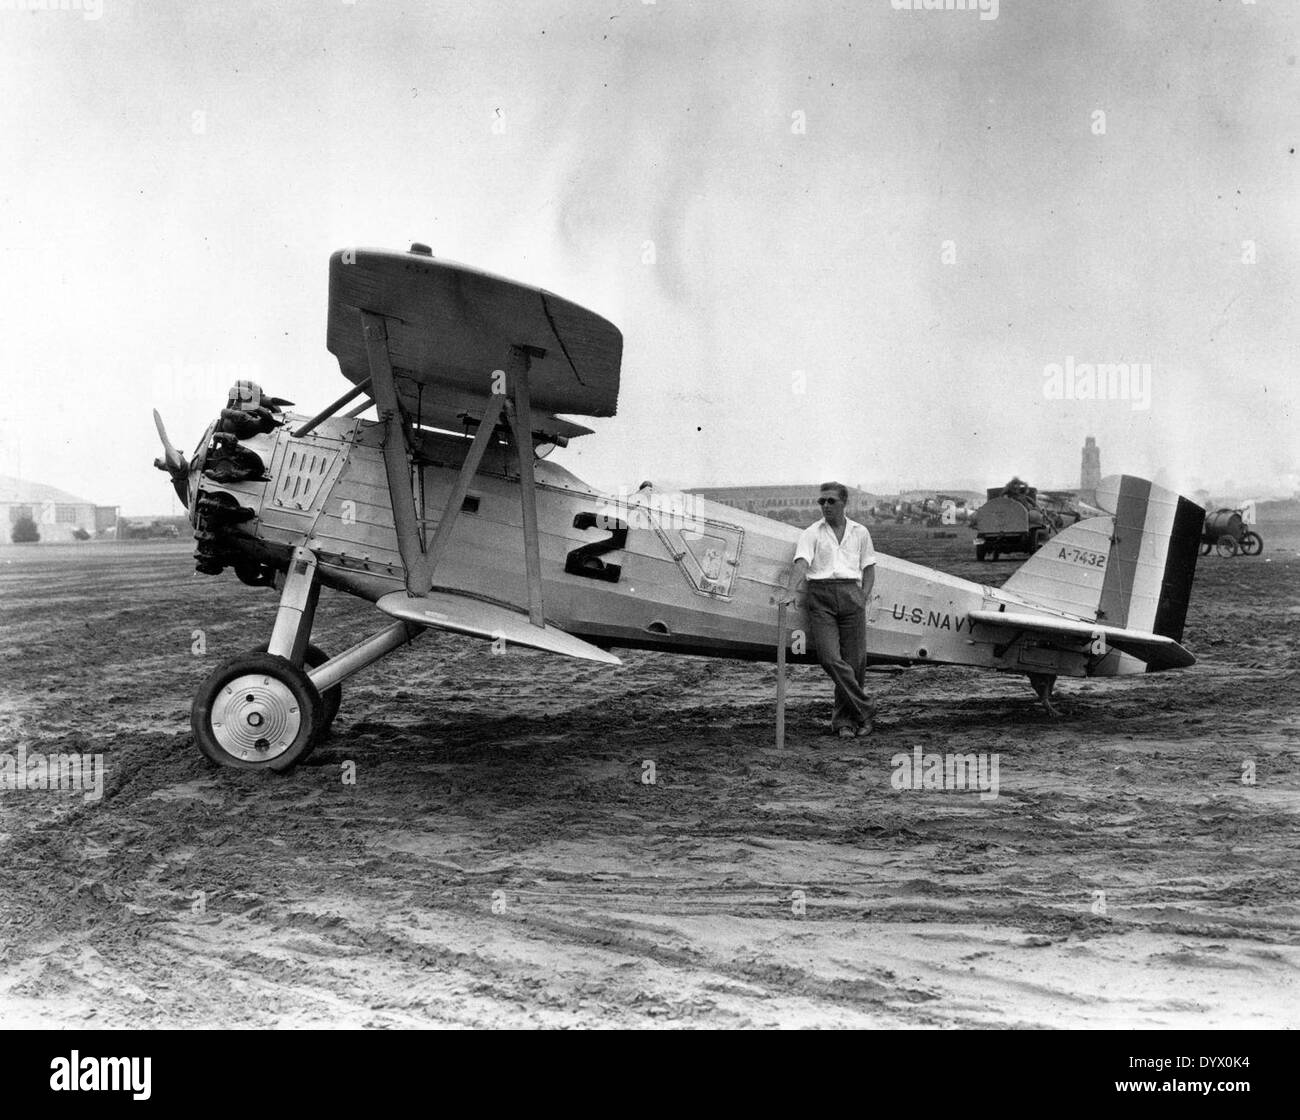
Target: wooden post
{"x": 780, "y": 676}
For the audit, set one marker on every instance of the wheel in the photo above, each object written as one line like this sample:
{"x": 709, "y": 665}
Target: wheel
{"x": 1251, "y": 544}
{"x": 1226, "y": 546}
{"x": 993, "y": 555}
{"x": 980, "y": 550}
{"x": 1206, "y": 546}
{"x": 256, "y": 712}
{"x": 331, "y": 698}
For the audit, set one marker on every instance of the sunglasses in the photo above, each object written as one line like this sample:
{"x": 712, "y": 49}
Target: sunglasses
{"x": 827, "y": 501}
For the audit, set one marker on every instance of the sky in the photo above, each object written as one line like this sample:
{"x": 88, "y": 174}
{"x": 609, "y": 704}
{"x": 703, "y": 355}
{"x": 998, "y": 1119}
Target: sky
{"x": 842, "y": 240}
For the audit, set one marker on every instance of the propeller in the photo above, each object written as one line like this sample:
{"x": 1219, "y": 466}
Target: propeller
{"x": 173, "y": 462}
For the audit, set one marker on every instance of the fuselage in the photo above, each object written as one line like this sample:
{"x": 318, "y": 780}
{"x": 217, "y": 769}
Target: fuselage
{"x": 638, "y": 569}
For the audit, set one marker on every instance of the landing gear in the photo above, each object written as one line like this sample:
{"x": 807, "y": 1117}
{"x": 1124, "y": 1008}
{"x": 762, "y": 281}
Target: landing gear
{"x": 257, "y": 712}
{"x": 261, "y": 711}
{"x": 266, "y": 709}
{"x": 1043, "y": 683}
{"x": 331, "y": 698}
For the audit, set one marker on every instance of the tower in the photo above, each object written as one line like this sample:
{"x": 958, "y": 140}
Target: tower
{"x": 1090, "y": 475}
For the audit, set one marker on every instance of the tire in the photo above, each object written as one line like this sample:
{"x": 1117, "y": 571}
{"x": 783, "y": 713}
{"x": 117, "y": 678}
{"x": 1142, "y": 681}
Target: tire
{"x": 993, "y": 555}
{"x": 1206, "y": 548}
{"x": 331, "y": 698}
{"x": 1251, "y": 544}
{"x": 980, "y": 550}
{"x": 256, "y": 712}
{"x": 1226, "y": 546}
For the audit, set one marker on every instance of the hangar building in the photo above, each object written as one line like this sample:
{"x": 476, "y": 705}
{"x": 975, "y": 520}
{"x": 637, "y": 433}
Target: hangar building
{"x": 797, "y": 503}
{"x": 58, "y": 514}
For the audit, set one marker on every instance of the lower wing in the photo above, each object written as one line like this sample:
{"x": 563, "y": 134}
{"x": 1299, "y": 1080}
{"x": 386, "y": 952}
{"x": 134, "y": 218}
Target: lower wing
{"x": 446, "y": 610}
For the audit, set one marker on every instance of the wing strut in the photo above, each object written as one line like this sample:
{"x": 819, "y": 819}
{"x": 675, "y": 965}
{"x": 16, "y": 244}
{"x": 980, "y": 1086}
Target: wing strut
{"x": 346, "y": 398}
{"x": 520, "y": 414}
{"x": 418, "y": 560}
{"x": 366, "y": 402}
{"x": 482, "y": 437}
{"x": 410, "y": 541}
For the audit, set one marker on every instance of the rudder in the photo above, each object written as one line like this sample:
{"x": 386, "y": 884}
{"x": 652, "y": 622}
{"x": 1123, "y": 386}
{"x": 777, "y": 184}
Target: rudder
{"x": 1132, "y": 568}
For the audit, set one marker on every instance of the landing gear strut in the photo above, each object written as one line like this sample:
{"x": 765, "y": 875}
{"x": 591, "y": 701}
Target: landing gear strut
{"x": 331, "y": 698}
{"x": 1043, "y": 683}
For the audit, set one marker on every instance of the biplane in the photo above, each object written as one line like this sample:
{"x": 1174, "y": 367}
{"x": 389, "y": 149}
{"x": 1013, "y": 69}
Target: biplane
{"x": 445, "y": 513}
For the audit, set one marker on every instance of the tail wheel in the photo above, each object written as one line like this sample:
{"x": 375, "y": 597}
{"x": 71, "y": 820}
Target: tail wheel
{"x": 257, "y": 712}
{"x": 1226, "y": 546}
{"x": 331, "y": 698}
{"x": 1251, "y": 544}
{"x": 1042, "y": 684}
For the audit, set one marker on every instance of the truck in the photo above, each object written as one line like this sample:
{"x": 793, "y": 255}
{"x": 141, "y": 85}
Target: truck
{"x": 1015, "y": 520}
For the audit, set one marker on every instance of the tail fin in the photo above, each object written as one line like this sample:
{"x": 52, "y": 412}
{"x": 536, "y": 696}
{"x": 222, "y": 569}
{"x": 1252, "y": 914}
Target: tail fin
{"x": 1131, "y": 568}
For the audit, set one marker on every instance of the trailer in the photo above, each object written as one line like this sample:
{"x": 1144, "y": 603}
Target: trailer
{"x": 1226, "y": 532}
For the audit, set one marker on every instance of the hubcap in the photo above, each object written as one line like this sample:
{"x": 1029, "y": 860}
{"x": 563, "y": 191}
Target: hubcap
{"x": 256, "y": 718}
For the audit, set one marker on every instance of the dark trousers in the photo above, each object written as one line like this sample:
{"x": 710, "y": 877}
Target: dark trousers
{"x": 837, "y": 617}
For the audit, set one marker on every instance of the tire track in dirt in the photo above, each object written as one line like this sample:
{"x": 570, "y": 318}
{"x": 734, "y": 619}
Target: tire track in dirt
{"x": 517, "y": 782}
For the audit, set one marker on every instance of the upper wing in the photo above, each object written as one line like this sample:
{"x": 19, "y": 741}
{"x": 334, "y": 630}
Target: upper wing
{"x": 449, "y": 327}
{"x": 446, "y": 610}
{"x": 1156, "y": 650}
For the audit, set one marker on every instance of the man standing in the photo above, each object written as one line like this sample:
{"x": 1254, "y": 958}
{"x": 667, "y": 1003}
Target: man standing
{"x": 836, "y": 557}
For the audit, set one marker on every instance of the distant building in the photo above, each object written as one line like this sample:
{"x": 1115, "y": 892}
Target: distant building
{"x": 794, "y": 503}
{"x": 1090, "y": 475}
{"x": 58, "y": 514}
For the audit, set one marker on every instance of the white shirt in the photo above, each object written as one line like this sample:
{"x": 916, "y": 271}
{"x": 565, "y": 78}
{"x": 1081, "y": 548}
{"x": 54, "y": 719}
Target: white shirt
{"x": 831, "y": 559}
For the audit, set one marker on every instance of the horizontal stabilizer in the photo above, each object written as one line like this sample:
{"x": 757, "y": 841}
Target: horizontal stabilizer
{"x": 1156, "y": 650}
{"x": 445, "y": 610}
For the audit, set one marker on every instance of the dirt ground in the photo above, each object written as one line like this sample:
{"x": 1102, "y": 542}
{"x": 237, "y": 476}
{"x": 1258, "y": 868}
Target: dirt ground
{"x": 501, "y": 859}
